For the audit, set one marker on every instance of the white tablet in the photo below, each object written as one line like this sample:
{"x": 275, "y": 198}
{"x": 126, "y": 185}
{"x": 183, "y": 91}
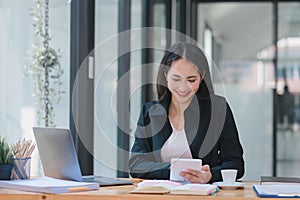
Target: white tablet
{"x": 182, "y": 164}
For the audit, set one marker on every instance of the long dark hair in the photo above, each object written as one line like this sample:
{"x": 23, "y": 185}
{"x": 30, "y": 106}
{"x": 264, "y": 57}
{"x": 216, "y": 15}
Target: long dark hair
{"x": 194, "y": 55}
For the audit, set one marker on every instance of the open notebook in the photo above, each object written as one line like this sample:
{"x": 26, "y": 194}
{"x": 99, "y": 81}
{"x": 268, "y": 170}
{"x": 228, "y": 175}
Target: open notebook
{"x": 172, "y": 187}
{"x": 59, "y": 158}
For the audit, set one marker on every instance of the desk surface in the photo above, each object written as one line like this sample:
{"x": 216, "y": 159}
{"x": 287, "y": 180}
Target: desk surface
{"x": 122, "y": 193}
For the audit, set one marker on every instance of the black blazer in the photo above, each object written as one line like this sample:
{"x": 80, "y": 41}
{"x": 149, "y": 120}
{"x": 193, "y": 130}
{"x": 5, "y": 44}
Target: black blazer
{"x": 211, "y": 134}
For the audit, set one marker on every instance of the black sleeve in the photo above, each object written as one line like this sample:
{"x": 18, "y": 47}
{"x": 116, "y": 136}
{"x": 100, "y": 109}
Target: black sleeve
{"x": 142, "y": 162}
{"x": 230, "y": 149}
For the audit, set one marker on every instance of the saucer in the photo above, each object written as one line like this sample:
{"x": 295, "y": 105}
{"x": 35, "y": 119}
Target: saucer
{"x": 236, "y": 185}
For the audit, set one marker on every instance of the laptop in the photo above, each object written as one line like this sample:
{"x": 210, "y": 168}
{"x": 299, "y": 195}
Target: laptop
{"x": 59, "y": 158}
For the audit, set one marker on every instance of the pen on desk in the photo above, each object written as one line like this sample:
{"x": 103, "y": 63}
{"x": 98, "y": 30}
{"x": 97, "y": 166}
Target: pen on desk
{"x": 211, "y": 192}
{"x": 78, "y": 189}
{"x": 288, "y": 195}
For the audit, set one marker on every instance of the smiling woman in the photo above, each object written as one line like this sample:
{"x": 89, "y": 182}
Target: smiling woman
{"x": 187, "y": 121}
{"x": 183, "y": 82}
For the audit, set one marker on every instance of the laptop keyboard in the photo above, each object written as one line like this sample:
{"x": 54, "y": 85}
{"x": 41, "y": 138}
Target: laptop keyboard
{"x": 106, "y": 180}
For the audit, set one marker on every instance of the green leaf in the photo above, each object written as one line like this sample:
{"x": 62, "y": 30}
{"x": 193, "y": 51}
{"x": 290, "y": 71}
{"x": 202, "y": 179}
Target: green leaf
{"x": 6, "y": 154}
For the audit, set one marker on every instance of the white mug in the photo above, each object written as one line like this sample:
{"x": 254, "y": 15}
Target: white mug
{"x": 229, "y": 176}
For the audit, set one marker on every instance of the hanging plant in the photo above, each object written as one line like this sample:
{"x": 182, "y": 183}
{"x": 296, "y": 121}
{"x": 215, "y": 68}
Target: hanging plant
{"x": 45, "y": 67}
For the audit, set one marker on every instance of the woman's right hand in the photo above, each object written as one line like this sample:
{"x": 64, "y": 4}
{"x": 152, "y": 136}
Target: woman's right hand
{"x": 203, "y": 176}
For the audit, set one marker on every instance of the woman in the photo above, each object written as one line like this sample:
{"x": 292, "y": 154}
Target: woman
{"x": 187, "y": 121}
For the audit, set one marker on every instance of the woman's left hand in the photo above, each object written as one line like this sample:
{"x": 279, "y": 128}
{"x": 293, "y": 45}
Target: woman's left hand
{"x": 194, "y": 176}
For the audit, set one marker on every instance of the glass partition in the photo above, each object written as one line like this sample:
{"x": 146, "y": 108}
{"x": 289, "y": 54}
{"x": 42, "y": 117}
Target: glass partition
{"x": 106, "y": 76}
{"x": 18, "y": 102}
{"x": 288, "y": 121}
{"x": 233, "y": 34}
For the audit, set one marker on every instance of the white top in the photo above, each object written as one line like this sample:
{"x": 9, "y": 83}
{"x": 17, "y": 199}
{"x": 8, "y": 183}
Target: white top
{"x": 176, "y": 146}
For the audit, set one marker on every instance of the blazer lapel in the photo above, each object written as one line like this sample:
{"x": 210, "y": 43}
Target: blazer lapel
{"x": 191, "y": 120}
{"x": 160, "y": 126}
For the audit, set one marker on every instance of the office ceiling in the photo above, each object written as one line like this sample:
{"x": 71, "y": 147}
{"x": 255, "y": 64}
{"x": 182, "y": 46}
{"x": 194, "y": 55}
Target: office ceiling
{"x": 246, "y": 28}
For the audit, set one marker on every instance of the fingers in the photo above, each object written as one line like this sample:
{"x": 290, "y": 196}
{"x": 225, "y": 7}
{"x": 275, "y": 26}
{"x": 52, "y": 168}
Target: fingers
{"x": 205, "y": 168}
{"x": 194, "y": 176}
{"x": 194, "y": 172}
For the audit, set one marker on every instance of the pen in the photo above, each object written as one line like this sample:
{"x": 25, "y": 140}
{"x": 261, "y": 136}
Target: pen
{"x": 289, "y": 195}
{"x": 78, "y": 189}
{"x": 211, "y": 192}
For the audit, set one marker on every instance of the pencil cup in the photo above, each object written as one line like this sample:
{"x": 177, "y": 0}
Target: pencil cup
{"x": 21, "y": 168}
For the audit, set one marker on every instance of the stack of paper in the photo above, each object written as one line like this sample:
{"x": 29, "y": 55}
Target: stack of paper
{"x": 48, "y": 185}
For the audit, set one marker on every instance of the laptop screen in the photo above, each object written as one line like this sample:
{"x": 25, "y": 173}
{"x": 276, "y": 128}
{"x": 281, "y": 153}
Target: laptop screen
{"x": 57, "y": 153}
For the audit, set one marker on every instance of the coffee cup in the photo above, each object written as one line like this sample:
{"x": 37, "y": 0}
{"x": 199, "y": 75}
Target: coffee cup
{"x": 229, "y": 176}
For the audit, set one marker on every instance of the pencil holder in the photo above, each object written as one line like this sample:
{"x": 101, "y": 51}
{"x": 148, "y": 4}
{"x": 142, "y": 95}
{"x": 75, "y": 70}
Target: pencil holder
{"x": 21, "y": 168}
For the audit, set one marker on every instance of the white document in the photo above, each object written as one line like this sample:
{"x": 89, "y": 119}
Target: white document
{"x": 182, "y": 164}
{"x": 48, "y": 185}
